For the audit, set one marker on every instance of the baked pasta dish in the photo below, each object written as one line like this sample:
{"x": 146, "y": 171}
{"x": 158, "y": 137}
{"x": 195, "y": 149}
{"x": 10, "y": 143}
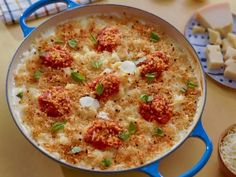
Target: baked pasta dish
{"x": 106, "y": 92}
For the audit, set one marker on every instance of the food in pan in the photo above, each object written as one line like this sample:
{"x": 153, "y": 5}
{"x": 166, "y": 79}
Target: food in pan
{"x": 107, "y": 92}
{"x": 227, "y": 149}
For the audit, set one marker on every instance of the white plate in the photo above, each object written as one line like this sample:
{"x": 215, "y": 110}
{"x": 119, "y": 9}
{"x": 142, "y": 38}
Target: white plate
{"x": 199, "y": 42}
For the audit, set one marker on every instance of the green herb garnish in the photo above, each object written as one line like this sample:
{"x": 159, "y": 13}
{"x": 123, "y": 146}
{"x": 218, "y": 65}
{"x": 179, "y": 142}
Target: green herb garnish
{"x": 37, "y": 74}
{"x": 96, "y": 64}
{"x": 99, "y": 89}
{"x": 140, "y": 60}
{"x": 58, "y": 126}
{"x": 75, "y": 150}
{"x": 150, "y": 76}
{"x": 191, "y": 84}
{"x": 132, "y": 128}
{"x": 159, "y": 132}
{"x": 58, "y": 41}
{"x": 106, "y": 162}
{"x": 93, "y": 39}
{"x": 183, "y": 90}
{"x": 154, "y": 37}
{"x": 77, "y": 76}
{"x": 124, "y": 135}
{"x": 20, "y": 95}
{"x": 145, "y": 98}
{"x": 73, "y": 43}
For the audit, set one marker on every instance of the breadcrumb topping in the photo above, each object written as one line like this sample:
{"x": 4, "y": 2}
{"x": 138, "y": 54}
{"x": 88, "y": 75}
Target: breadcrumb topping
{"x": 109, "y": 83}
{"x": 56, "y": 57}
{"x": 159, "y": 109}
{"x": 55, "y": 102}
{"x": 103, "y": 135}
{"x": 155, "y": 63}
{"x": 108, "y": 39}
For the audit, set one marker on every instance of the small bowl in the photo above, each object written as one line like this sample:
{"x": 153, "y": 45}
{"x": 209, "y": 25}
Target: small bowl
{"x": 224, "y": 168}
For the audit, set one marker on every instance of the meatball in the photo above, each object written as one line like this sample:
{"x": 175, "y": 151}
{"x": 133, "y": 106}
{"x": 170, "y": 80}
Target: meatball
{"x": 108, "y": 39}
{"x": 159, "y": 109}
{"x": 155, "y": 63}
{"x": 103, "y": 134}
{"x": 55, "y": 102}
{"x": 56, "y": 57}
{"x": 109, "y": 85}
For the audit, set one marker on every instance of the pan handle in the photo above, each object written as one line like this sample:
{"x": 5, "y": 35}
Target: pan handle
{"x": 24, "y": 27}
{"x": 198, "y": 132}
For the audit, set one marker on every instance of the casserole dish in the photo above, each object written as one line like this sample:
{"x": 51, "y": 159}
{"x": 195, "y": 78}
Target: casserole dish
{"x": 75, "y": 10}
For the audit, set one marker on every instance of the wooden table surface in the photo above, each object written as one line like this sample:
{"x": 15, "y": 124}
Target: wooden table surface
{"x": 18, "y": 158}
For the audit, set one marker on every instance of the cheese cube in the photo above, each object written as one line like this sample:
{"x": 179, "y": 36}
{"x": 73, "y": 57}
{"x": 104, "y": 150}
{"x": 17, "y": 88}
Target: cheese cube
{"x": 230, "y": 53}
{"x": 214, "y": 57}
{"x": 214, "y": 37}
{"x": 232, "y": 39}
{"x": 216, "y": 16}
{"x": 230, "y": 61}
{"x": 225, "y": 45}
{"x": 198, "y": 29}
{"x": 230, "y": 72}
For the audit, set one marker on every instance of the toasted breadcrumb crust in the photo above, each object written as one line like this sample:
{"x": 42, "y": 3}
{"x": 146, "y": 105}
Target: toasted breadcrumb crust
{"x": 56, "y": 57}
{"x": 158, "y": 110}
{"x": 110, "y": 84}
{"x": 82, "y": 128}
{"x": 103, "y": 134}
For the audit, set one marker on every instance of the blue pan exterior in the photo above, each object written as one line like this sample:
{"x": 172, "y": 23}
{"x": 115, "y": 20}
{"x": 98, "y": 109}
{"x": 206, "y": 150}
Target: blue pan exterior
{"x": 150, "y": 168}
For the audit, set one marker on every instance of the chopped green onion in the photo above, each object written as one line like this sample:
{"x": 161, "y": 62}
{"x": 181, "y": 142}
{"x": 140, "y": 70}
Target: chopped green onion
{"x": 132, "y": 128}
{"x": 73, "y": 43}
{"x": 75, "y": 150}
{"x": 159, "y": 132}
{"x": 191, "y": 84}
{"x": 124, "y": 136}
{"x": 20, "y": 95}
{"x": 154, "y": 37}
{"x": 96, "y": 64}
{"x": 145, "y": 98}
{"x": 106, "y": 162}
{"x": 150, "y": 76}
{"x": 183, "y": 90}
{"x": 58, "y": 126}
{"x": 140, "y": 60}
{"x": 37, "y": 74}
{"x": 93, "y": 39}
{"x": 58, "y": 41}
{"x": 99, "y": 89}
{"x": 77, "y": 76}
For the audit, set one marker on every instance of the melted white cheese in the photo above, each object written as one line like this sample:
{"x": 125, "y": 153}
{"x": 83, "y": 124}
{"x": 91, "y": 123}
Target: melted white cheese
{"x": 128, "y": 67}
{"x": 88, "y": 101}
{"x": 103, "y": 115}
